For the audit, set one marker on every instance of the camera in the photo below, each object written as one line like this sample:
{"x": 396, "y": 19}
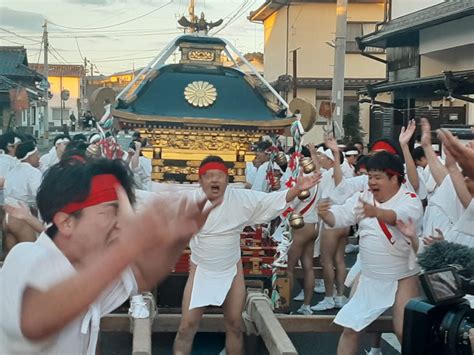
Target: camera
{"x": 440, "y": 323}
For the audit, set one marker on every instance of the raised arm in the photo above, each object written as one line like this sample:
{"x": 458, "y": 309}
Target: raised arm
{"x": 464, "y": 155}
{"x": 314, "y": 155}
{"x": 404, "y": 139}
{"x": 458, "y": 181}
{"x": 22, "y": 212}
{"x": 332, "y": 144}
{"x": 438, "y": 170}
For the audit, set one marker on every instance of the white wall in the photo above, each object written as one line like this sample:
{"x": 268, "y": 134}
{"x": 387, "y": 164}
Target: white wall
{"x": 447, "y": 35}
{"x": 404, "y": 7}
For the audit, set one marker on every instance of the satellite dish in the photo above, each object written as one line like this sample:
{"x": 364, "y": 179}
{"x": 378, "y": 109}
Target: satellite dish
{"x": 99, "y": 98}
{"x": 306, "y": 110}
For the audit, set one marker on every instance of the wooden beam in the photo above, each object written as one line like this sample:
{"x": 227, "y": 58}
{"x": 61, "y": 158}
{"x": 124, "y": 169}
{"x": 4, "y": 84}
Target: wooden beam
{"x": 214, "y": 323}
{"x": 274, "y": 336}
{"x": 324, "y": 323}
{"x": 142, "y": 334}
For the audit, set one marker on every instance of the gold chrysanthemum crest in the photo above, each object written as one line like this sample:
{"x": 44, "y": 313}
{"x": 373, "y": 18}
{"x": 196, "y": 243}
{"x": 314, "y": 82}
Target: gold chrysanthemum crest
{"x": 200, "y": 93}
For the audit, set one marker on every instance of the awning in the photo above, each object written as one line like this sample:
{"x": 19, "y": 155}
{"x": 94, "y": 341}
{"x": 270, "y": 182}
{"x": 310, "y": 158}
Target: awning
{"x": 455, "y": 83}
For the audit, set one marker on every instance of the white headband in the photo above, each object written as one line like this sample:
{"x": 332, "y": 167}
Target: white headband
{"x": 15, "y": 141}
{"x": 329, "y": 154}
{"x": 29, "y": 154}
{"x": 95, "y": 138}
{"x": 62, "y": 140}
{"x": 351, "y": 152}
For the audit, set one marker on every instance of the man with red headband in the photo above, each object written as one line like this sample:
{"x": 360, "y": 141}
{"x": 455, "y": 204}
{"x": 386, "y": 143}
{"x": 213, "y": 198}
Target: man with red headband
{"x": 216, "y": 276}
{"x": 96, "y": 252}
{"x": 387, "y": 258}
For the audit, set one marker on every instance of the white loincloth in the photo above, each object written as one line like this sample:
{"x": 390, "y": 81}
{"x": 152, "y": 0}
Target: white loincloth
{"x": 370, "y": 300}
{"x": 210, "y": 288}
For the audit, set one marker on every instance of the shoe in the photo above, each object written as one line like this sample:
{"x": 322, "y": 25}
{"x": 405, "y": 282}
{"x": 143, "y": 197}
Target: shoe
{"x": 299, "y": 297}
{"x": 304, "y": 310}
{"x": 351, "y": 248}
{"x": 326, "y": 304}
{"x": 340, "y": 301}
{"x": 319, "y": 286}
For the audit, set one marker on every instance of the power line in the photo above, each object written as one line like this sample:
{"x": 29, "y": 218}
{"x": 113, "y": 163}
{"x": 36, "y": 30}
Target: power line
{"x": 117, "y": 24}
{"x": 17, "y": 35}
{"x": 78, "y": 48}
{"x": 59, "y": 54}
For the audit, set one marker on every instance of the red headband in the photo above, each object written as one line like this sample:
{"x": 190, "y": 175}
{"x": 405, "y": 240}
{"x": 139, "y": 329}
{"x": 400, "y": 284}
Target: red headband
{"x": 102, "y": 190}
{"x": 393, "y": 172}
{"x": 383, "y": 146}
{"x": 213, "y": 165}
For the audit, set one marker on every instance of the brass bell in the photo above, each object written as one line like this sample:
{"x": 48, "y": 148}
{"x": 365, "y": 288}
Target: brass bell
{"x": 280, "y": 159}
{"x": 303, "y": 195}
{"x": 307, "y": 165}
{"x": 276, "y": 185}
{"x": 296, "y": 221}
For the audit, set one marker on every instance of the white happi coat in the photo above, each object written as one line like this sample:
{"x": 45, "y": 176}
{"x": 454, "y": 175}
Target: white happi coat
{"x": 385, "y": 257}
{"x": 216, "y": 248}
{"x": 463, "y": 230}
{"x": 7, "y": 163}
{"x": 49, "y": 159}
{"x": 22, "y": 183}
{"x": 41, "y": 265}
{"x": 443, "y": 210}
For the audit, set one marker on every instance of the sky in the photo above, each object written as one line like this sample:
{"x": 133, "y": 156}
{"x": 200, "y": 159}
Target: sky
{"x": 117, "y": 35}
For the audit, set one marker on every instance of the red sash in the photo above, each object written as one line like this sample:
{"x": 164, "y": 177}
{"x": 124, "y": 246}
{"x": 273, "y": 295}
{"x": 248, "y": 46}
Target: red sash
{"x": 308, "y": 206}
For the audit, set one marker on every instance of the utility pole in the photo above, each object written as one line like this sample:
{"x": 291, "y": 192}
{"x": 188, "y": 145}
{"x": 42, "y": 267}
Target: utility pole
{"x": 84, "y": 100}
{"x": 337, "y": 95}
{"x": 46, "y": 72}
{"x": 295, "y": 72}
{"x": 192, "y": 16}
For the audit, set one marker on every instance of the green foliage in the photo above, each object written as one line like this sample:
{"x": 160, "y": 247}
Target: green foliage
{"x": 352, "y": 129}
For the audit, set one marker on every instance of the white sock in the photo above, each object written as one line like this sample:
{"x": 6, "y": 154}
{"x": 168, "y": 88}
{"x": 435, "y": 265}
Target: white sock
{"x": 329, "y": 299}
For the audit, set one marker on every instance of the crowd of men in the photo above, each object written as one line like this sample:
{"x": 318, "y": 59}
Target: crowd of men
{"x": 84, "y": 228}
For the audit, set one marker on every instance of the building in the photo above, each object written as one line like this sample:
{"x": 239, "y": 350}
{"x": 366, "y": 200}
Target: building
{"x": 430, "y": 65}
{"x": 64, "y": 77}
{"x": 309, "y": 27}
{"x": 20, "y": 98}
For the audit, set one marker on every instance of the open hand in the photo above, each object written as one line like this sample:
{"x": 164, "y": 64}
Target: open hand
{"x": 425, "y": 133}
{"x": 366, "y": 210}
{"x": 464, "y": 155}
{"x": 407, "y": 133}
{"x": 428, "y": 240}
{"x": 331, "y": 143}
{"x": 408, "y": 229}
{"x": 167, "y": 220}
{"x": 305, "y": 182}
{"x": 20, "y": 211}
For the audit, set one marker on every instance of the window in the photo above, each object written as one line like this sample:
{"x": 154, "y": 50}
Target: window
{"x": 359, "y": 29}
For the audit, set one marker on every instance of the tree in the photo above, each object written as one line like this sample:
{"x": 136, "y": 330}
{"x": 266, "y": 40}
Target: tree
{"x": 353, "y": 131}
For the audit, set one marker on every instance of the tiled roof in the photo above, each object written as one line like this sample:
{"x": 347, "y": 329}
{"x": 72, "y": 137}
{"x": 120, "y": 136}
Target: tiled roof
{"x": 59, "y": 70}
{"x": 6, "y": 84}
{"x": 326, "y": 83}
{"x": 14, "y": 62}
{"x": 431, "y": 16}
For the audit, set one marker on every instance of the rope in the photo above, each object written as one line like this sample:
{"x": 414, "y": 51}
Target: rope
{"x": 247, "y": 314}
{"x": 281, "y": 255}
